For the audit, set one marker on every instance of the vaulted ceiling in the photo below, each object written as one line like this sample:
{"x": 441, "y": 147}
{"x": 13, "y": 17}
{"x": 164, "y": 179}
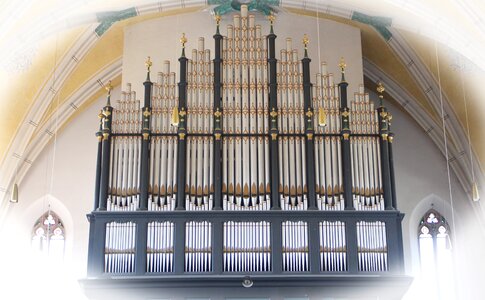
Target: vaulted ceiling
{"x": 56, "y": 55}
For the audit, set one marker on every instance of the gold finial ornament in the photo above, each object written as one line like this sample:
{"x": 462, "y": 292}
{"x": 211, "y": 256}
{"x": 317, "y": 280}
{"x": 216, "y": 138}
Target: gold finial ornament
{"x": 183, "y": 40}
{"x": 148, "y": 63}
{"x": 218, "y": 18}
{"x": 108, "y": 87}
{"x": 342, "y": 65}
{"x": 380, "y": 88}
{"x": 271, "y": 18}
{"x": 305, "y": 41}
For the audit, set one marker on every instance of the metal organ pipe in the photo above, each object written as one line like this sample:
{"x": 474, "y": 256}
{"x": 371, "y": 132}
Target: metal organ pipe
{"x": 291, "y": 124}
{"x": 366, "y": 186}
{"x": 163, "y": 150}
{"x": 120, "y": 247}
{"x": 328, "y": 166}
{"x": 199, "y": 130}
{"x": 245, "y": 104}
{"x": 125, "y": 153}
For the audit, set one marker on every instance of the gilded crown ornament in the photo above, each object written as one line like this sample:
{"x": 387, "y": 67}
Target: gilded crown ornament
{"x": 183, "y": 40}
{"x": 380, "y": 88}
{"x": 218, "y": 18}
{"x": 271, "y": 19}
{"x": 342, "y": 65}
{"x": 305, "y": 41}
{"x": 148, "y": 63}
{"x": 108, "y": 87}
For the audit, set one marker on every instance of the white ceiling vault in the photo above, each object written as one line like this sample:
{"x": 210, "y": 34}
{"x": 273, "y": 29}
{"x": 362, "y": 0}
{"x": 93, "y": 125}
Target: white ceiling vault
{"x": 26, "y": 23}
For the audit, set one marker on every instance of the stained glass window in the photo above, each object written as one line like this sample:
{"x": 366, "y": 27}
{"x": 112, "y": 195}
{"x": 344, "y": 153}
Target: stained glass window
{"x": 436, "y": 257}
{"x": 48, "y": 236}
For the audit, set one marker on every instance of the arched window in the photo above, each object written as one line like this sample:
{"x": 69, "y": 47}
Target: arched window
{"x": 436, "y": 259}
{"x": 48, "y": 236}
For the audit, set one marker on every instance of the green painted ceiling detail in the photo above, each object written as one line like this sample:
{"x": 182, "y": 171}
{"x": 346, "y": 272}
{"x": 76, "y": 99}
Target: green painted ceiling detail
{"x": 379, "y": 23}
{"x": 108, "y": 18}
{"x": 225, "y": 6}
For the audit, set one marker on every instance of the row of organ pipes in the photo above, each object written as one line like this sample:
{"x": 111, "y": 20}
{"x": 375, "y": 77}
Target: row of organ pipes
{"x": 199, "y": 186}
{"x": 125, "y": 153}
{"x": 246, "y": 247}
{"x": 328, "y": 165}
{"x": 245, "y": 117}
{"x": 245, "y": 162}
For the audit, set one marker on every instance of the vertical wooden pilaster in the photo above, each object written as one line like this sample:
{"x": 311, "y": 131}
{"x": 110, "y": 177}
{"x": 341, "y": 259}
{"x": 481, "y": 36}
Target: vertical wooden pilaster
{"x": 182, "y": 130}
{"x": 314, "y": 245}
{"x": 390, "y": 138}
{"x": 179, "y": 247}
{"x": 383, "y": 117}
{"x": 217, "y": 162}
{"x": 345, "y": 142}
{"x": 97, "y": 236}
{"x": 394, "y": 244}
{"x": 273, "y": 121}
{"x": 145, "y": 144}
{"x": 99, "y": 136}
{"x": 276, "y": 246}
{"x": 141, "y": 247}
{"x": 217, "y": 246}
{"x": 106, "y": 150}
{"x": 352, "y": 246}
{"x": 309, "y": 131}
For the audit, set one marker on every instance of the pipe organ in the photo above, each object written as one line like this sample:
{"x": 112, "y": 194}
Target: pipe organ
{"x": 243, "y": 165}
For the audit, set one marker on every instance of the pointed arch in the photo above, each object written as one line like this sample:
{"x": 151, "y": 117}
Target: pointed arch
{"x": 435, "y": 253}
{"x": 49, "y": 236}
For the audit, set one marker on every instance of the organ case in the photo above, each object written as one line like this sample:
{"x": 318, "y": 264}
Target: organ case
{"x": 244, "y": 167}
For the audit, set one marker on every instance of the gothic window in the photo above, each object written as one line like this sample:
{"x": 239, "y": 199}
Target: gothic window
{"x": 48, "y": 236}
{"x": 435, "y": 254}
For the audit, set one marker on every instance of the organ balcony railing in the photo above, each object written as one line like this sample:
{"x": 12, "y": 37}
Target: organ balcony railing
{"x": 244, "y": 167}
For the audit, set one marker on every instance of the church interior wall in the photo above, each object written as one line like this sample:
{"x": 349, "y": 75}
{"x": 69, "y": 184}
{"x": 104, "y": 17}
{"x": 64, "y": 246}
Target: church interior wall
{"x": 63, "y": 174}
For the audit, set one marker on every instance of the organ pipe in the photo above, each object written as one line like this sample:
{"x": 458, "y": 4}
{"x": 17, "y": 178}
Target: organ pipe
{"x": 160, "y": 247}
{"x": 124, "y": 185}
{"x": 366, "y": 171}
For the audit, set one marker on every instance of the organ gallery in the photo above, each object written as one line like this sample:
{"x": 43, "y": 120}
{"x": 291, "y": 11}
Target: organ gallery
{"x": 247, "y": 167}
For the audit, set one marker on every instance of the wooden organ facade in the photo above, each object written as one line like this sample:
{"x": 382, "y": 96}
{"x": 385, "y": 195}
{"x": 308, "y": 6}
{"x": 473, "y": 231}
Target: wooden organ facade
{"x": 244, "y": 167}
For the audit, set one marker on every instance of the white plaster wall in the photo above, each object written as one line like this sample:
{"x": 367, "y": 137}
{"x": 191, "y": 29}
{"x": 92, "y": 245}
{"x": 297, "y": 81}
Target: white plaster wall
{"x": 61, "y": 177}
{"x": 159, "y": 39}
{"x": 422, "y": 183}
